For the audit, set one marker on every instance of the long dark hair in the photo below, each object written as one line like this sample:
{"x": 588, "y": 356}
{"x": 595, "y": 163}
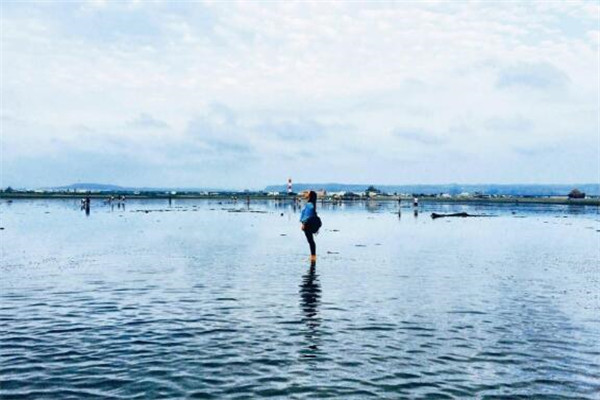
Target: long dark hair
{"x": 312, "y": 198}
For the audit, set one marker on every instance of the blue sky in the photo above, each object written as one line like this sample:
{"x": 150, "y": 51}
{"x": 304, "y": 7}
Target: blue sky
{"x": 246, "y": 94}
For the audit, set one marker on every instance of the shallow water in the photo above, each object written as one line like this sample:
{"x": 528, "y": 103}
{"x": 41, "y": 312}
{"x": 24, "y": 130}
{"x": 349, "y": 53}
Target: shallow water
{"x": 201, "y": 299}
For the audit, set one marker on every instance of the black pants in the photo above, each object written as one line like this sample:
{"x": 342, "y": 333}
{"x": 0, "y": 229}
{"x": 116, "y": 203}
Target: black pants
{"x": 311, "y": 242}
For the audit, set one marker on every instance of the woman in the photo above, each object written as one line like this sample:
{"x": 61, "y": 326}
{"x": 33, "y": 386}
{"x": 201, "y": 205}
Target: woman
{"x": 310, "y": 211}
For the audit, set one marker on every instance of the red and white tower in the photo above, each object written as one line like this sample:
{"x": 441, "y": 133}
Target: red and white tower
{"x": 289, "y": 186}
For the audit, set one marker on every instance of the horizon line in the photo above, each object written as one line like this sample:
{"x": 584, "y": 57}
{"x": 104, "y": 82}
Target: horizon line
{"x": 214, "y": 188}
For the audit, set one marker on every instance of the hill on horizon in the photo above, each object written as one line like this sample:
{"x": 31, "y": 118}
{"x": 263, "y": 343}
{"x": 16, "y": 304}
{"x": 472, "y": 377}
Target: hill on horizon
{"x": 590, "y": 189}
{"x": 91, "y": 186}
{"x": 102, "y": 187}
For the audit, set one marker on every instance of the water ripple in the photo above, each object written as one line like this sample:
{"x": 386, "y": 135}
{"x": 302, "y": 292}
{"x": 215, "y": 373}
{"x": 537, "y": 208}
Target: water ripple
{"x": 436, "y": 311}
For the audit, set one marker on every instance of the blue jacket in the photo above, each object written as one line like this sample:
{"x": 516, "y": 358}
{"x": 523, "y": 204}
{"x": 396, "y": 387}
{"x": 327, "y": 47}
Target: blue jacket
{"x": 307, "y": 212}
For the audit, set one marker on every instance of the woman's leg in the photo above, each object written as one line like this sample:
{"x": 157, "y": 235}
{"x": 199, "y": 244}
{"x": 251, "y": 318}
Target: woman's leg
{"x": 311, "y": 243}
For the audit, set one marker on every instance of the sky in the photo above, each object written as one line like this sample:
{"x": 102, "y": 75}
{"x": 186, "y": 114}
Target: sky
{"x": 241, "y": 95}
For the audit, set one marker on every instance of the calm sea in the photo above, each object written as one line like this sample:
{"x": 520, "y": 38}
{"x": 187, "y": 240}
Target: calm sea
{"x": 207, "y": 299}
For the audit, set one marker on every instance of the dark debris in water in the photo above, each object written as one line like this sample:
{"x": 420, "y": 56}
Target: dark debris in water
{"x": 460, "y": 214}
{"x": 241, "y": 210}
{"x": 164, "y": 210}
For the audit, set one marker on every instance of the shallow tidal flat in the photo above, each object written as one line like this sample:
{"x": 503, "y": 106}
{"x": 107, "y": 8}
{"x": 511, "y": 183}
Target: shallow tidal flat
{"x": 208, "y": 299}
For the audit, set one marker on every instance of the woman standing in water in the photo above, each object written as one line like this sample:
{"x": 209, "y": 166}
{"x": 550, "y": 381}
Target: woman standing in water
{"x": 310, "y": 211}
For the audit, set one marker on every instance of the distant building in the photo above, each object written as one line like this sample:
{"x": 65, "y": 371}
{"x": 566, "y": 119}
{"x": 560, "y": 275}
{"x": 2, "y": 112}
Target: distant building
{"x": 372, "y": 191}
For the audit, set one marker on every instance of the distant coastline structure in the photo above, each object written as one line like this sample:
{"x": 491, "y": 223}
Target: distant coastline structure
{"x": 289, "y": 187}
{"x": 576, "y": 194}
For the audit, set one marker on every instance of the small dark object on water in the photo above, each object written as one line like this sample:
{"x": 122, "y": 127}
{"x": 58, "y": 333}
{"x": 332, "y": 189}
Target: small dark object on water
{"x": 461, "y": 214}
{"x": 2, "y": 228}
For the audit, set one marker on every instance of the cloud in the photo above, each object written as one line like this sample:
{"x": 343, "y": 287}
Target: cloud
{"x": 208, "y": 87}
{"x": 217, "y": 132}
{"x": 296, "y": 130}
{"x": 144, "y": 120}
{"x": 515, "y": 123}
{"x": 532, "y": 75}
{"x": 536, "y": 150}
{"x": 418, "y": 136}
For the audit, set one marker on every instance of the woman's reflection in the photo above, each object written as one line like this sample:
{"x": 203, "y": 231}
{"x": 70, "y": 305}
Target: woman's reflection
{"x": 310, "y": 298}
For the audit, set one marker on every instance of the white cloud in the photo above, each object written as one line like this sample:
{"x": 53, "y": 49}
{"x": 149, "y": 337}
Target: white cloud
{"x": 295, "y": 77}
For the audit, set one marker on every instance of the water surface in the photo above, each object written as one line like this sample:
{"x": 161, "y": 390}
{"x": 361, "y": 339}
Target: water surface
{"x": 207, "y": 299}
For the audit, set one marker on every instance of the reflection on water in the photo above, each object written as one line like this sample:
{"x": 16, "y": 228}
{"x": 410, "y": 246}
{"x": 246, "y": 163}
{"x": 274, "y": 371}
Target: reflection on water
{"x": 310, "y": 296}
{"x": 213, "y": 299}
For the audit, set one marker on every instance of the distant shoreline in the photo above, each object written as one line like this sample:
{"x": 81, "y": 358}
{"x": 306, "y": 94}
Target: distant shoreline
{"x": 241, "y": 197}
